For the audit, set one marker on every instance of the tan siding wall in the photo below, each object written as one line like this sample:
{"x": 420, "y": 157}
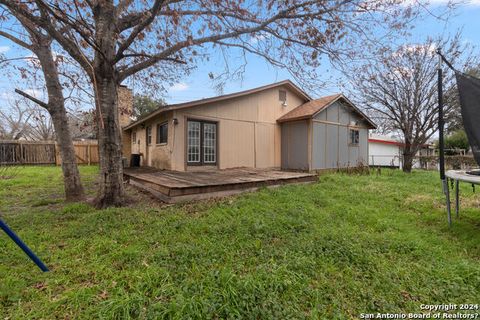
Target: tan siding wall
{"x": 278, "y": 146}
{"x": 236, "y": 144}
{"x": 178, "y": 143}
{"x": 154, "y": 155}
{"x": 265, "y": 142}
{"x": 249, "y": 135}
{"x": 269, "y": 98}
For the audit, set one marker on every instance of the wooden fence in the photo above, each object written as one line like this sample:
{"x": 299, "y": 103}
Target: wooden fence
{"x": 32, "y": 153}
{"x": 86, "y": 152}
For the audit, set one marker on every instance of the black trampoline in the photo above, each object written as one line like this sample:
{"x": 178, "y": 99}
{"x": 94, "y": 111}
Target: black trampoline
{"x": 469, "y": 93}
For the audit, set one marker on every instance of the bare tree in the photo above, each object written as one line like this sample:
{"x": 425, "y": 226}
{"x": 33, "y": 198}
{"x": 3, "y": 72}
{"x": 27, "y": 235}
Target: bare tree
{"x": 15, "y": 120}
{"x": 115, "y": 40}
{"x": 82, "y": 124}
{"x": 41, "y": 126}
{"x": 399, "y": 89}
{"x": 30, "y": 37}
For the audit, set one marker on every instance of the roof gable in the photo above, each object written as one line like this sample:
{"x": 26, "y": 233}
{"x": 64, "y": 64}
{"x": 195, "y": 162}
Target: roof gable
{"x": 311, "y": 108}
{"x": 287, "y": 83}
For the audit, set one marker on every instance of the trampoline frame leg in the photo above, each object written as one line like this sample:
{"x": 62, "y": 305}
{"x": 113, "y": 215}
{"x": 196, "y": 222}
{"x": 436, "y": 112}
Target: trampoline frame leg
{"x": 457, "y": 197}
{"x": 446, "y": 191}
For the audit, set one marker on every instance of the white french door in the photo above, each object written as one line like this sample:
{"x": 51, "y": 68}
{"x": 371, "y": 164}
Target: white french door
{"x": 201, "y": 142}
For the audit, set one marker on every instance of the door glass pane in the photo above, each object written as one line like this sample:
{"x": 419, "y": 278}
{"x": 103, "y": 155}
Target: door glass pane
{"x": 193, "y": 141}
{"x": 209, "y": 142}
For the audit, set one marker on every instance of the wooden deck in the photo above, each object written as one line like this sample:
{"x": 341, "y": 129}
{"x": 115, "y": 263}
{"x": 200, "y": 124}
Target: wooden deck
{"x": 175, "y": 186}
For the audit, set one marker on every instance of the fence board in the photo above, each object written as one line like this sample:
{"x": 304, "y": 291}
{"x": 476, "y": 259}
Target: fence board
{"x": 86, "y": 152}
{"x": 26, "y": 152}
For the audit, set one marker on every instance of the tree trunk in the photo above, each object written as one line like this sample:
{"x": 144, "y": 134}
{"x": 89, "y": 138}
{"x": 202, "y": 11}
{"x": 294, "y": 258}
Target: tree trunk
{"x": 111, "y": 191}
{"x": 71, "y": 176}
{"x": 408, "y": 156}
{"x": 56, "y": 108}
{"x": 105, "y": 79}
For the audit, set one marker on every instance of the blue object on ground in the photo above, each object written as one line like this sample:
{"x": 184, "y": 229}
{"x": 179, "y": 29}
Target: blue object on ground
{"x": 23, "y": 246}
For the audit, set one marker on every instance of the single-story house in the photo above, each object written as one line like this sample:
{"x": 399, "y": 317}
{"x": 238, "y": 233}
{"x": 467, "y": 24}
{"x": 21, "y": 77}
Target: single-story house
{"x": 273, "y": 126}
{"x": 385, "y": 151}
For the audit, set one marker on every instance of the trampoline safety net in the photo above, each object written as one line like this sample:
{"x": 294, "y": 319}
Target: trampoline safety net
{"x": 469, "y": 91}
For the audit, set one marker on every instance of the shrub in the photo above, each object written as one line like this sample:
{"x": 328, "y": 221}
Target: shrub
{"x": 457, "y": 140}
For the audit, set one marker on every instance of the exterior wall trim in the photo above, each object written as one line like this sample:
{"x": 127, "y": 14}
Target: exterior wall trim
{"x": 339, "y": 124}
{"x": 286, "y": 83}
{"x": 310, "y": 144}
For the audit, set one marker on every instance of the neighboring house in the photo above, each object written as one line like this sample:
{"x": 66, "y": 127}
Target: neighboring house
{"x": 274, "y": 126}
{"x": 384, "y": 152}
{"x": 388, "y": 152}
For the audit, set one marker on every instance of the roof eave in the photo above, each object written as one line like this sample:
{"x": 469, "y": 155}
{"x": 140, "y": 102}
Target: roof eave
{"x": 293, "y": 119}
{"x": 373, "y": 125}
{"x": 148, "y": 117}
{"x": 195, "y": 103}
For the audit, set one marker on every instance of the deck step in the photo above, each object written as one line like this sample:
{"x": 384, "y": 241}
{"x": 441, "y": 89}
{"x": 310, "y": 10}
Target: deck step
{"x": 171, "y": 186}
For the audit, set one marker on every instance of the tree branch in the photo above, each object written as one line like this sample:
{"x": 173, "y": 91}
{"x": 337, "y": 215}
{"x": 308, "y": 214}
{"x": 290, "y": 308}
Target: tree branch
{"x": 150, "y": 17}
{"x": 75, "y": 25}
{"x": 16, "y": 40}
{"x": 37, "y": 101}
{"x": 192, "y": 42}
{"x": 45, "y": 22}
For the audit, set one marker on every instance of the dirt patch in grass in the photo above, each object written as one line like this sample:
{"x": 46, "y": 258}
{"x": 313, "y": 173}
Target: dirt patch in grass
{"x": 418, "y": 198}
{"x": 136, "y": 197}
{"x": 469, "y": 201}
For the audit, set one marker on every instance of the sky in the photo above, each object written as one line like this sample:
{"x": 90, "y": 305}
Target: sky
{"x": 257, "y": 73}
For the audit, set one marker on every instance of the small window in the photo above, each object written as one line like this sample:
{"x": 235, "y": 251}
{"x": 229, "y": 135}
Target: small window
{"x": 354, "y": 136}
{"x": 134, "y": 137}
{"x": 149, "y": 135}
{"x": 162, "y": 133}
{"x": 282, "y": 96}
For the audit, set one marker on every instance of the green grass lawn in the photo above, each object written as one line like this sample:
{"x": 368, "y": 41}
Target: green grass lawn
{"x": 346, "y": 245}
